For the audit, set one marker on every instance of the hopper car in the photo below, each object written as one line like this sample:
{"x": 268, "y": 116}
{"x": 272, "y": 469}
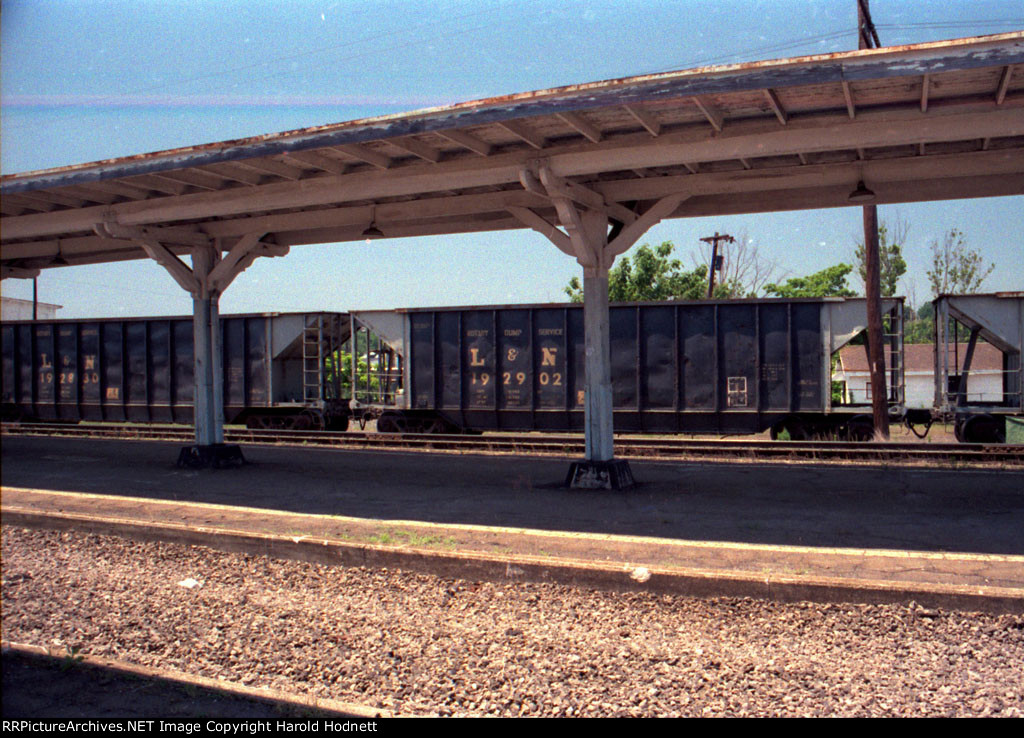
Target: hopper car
{"x": 275, "y": 370}
{"x": 983, "y": 409}
{"x": 709, "y": 366}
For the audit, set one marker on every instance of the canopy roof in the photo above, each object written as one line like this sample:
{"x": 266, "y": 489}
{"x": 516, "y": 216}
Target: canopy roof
{"x": 921, "y": 122}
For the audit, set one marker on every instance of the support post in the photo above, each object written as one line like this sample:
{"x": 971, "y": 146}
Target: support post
{"x": 205, "y": 281}
{"x": 209, "y": 448}
{"x": 597, "y": 347}
{"x": 585, "y": 217}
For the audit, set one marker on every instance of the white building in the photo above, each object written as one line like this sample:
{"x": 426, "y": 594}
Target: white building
{"x": 984, "y": 382}
{"x": 12, "y": 308}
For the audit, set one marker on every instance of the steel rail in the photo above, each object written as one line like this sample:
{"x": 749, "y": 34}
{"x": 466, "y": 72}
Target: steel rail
{"x": 627, "y": 446}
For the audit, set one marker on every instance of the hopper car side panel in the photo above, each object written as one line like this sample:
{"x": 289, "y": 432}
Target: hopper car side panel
{"x": 729, "y": 366}
{"x": 142, "y": 369}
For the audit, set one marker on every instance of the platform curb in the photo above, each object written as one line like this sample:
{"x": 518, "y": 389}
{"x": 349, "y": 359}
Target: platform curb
{"x": 572, "y": 572}
{"x": 262, "y": 694}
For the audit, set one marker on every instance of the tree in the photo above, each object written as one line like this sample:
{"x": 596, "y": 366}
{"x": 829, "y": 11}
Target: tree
{"x": 956, "y": 269}
{"x": 745, "y": 271}
{"x": 649, "y": 275}
{"x": 890, "y": 256}
{"x": 920, "y": 325}
{"x": 830, "y": 282}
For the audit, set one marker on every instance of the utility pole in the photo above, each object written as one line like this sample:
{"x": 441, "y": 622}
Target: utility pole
{"x": 867, "y": 38}
{"x": 716, "y": 264}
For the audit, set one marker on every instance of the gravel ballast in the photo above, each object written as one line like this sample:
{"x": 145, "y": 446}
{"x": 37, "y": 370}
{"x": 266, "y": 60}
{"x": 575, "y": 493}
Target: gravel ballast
{"x": 418, "y": 644}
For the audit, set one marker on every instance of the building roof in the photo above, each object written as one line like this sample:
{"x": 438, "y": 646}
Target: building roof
{"x": 919, "y": 122}
{"x": 920, "y": 357}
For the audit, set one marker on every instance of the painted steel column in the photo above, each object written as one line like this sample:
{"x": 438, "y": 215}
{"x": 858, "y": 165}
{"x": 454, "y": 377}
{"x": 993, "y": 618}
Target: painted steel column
{"x": 217, "y": 369}
{"x": 598, "y": 386}
{"x": 204, "y": 310}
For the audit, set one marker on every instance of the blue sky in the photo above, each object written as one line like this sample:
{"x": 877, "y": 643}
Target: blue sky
{"x": 85, "y": 80}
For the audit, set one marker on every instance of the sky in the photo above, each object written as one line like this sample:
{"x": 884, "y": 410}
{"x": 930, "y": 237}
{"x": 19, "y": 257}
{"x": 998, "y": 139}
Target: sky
{"x": 84, "y": 80}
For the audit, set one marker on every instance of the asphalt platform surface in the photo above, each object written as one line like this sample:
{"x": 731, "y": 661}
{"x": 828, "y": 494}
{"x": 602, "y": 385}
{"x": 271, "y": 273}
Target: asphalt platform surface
{"x": 890, "y": 525}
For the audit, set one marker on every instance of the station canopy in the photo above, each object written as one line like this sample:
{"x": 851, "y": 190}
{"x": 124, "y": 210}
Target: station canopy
{"x": 922, "y": 122}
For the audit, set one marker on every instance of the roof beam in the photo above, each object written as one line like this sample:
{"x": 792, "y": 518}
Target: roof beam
{"x": 754, "y": 138}
{"x": 581, "y": 125}
{"x": 193, "y": 178}
{"x": 88, "y": 194}
{"x": 235, "y": 173}
{"x": 151, "y": 182}
{"x": 1004, "y": 84}
{"x": 558, "y": 187}
{"x": 26, "y": 203}
{"x": 851, "y": 110}
{"x": 364, "y": 154}
{"x": 522, "y": 131}
{"x": 644, "y": 118}
{"x": 711, "y": 111}
{"x": 545, "y": 228}
{"x": 121, "y": 187}
{"x": 277, "y": 168}
{"x": 417, "y": 148}
{"x": 319, "y": 161}
{"x": 776, "y": 105}
{"x": 925, "y": 85}
{"x": 468, "y": 141}
{"x": 51, "y": 198}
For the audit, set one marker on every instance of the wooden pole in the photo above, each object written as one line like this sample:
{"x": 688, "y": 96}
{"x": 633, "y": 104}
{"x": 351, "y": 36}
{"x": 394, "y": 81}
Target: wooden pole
{"x": 876, "y": 344}
{"x": 867, "y": 37}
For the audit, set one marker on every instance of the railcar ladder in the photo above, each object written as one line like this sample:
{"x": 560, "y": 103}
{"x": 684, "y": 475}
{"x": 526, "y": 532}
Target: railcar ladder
{"x": 313, "y": 359}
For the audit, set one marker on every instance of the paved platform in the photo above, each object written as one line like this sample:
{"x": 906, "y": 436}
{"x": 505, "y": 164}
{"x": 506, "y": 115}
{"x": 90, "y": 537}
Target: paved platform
{"x": 788, "y": 531}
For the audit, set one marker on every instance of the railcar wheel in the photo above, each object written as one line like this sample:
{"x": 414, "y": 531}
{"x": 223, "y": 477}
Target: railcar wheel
{"x": 391, "y": 423}
{"x": 314, "y": 419}
{"x": 860, "y": 429}
{"x": 982, "y": 428}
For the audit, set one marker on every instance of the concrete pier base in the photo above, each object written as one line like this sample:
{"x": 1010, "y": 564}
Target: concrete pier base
{"x": 613, "y": 474}
{"x": 215, "y": 456}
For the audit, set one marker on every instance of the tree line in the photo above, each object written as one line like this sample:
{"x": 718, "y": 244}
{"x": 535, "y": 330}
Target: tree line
{"x": 654, "y": 273}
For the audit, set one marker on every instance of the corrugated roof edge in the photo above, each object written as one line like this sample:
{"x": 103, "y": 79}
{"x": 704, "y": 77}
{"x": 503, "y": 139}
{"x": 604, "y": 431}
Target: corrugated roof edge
{"x": 916, "y": 59}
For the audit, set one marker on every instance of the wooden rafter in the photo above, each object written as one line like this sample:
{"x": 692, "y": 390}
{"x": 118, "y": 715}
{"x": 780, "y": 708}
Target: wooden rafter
{"x": 365, "y": 154}
{"x": 851, "y": 109}
{"x": 711, "y": 111}
{"x": 417, "y": 148}
{"x": 776, "y": 105}
{"x": 317, "y": 161}
{"x": 582, "y": 126}
{"x": 235, "y": 173}
{"x": 468, "y": 141}
{"x": 193, "y": 177}
{"x": 1004, "y": 84}
{"x": 644, "y": 118}
{"x": 925, "y": 89}
{"x": 521, "y": 131}
{"x": 277, "y": 168}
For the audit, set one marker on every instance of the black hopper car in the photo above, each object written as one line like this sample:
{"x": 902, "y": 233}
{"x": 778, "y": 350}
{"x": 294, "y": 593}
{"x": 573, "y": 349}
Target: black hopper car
{"x": 733, "y": 366}
{"x": 277, "y": 371}
{"x": 722, "y": 367}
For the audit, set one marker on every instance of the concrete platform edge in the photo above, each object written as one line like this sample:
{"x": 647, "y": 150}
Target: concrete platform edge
{"x": 495, "y": 567}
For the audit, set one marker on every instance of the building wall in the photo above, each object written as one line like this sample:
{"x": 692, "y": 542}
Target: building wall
{"x": 12, "y": 308}
{"x": 983, "y": 386}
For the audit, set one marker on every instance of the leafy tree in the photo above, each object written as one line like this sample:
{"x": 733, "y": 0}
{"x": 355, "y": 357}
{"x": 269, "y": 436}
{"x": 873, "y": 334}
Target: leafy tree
{"x": 830, "y": 282}
{"x": 890, "y": 257}
{"x": 920, "y": 325}
{"x": 650, "y": 274}
{"x": 956, "y": 269}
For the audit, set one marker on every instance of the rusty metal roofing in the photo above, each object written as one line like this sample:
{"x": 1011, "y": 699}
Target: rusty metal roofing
{"x": 924, "y": 121}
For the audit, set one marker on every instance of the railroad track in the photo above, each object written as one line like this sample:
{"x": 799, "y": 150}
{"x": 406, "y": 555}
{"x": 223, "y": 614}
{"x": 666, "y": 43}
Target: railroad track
{"x": 557, "y": 444}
